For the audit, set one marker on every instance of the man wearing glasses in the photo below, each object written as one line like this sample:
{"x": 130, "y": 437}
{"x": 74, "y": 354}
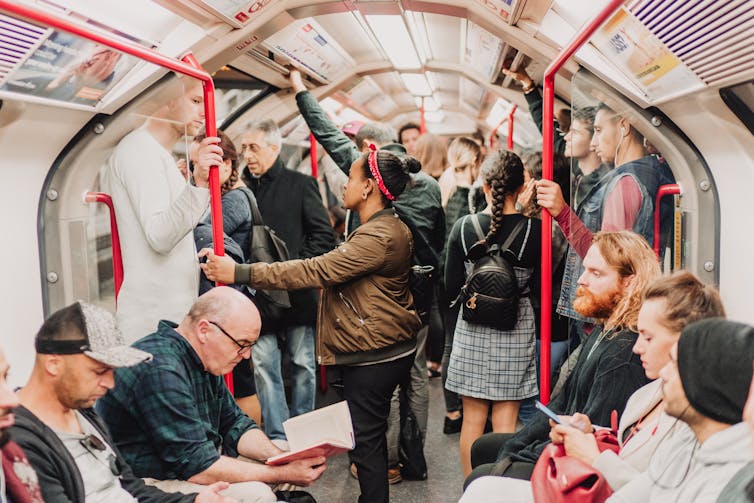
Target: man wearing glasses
{"x": 175, "y": 421}
{"x": 65, "y": 441}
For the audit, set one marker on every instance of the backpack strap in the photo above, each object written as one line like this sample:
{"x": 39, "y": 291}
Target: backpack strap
{"x": 514, "y": 234}
{"x": 477, "y": 228}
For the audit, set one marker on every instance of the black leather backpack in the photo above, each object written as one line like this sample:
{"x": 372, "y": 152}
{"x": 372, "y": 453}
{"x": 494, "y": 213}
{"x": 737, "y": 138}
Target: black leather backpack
{"x": 490, "y": 295}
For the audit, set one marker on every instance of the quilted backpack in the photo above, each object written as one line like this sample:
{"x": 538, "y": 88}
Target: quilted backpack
{"x": 490, "y": 295}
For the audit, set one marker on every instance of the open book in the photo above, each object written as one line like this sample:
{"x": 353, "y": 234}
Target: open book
{"x": 322, "y": 432}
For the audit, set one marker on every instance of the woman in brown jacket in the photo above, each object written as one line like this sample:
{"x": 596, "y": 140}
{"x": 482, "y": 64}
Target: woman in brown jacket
{"x": 366, "y": 322}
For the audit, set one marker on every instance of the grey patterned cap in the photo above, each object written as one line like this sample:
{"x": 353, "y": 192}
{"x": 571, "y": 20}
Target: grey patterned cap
{"x": 103, "y": 341}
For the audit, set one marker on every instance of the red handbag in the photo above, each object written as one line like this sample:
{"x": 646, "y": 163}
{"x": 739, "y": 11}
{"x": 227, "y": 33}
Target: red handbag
{"x": 558, "y": 478}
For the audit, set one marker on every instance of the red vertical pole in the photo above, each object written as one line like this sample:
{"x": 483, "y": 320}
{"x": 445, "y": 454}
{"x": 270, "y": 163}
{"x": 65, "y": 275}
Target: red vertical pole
{"x": 511, "y": 117}
{"x": 101, "y": 197}
{"x": 422, "y": 119}
{"x": 548, "y": 87}
{"x": 215, "y": 198}
{"x": 313, "y": 155}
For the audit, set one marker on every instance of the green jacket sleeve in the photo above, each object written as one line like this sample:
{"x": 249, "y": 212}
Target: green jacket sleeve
{"x": 362, "y": 254}
{"x": 534, "y": 99}
{"x": 340, "y": 148}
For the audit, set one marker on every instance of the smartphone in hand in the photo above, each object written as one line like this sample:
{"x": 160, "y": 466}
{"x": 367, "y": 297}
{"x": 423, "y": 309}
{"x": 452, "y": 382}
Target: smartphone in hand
{"x": 549, "y": 413}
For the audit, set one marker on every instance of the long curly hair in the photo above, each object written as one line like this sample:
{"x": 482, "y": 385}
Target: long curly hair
{"x": 503, "y": 172}
{"x": 628, "y": 253}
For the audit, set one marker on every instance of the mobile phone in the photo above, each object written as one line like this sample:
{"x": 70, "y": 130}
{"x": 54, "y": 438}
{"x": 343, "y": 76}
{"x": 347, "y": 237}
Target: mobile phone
{"x": 548, "y": 412}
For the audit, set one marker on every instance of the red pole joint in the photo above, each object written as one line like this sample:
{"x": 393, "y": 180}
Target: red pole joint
{"x": 670, "y": 189}
{"x": 101, "y": 197}
{"x": 548, "y": 87}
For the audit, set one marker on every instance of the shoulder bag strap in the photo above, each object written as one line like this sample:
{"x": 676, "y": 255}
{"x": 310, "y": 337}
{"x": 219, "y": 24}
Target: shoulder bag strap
{"x": 256, "y": 217}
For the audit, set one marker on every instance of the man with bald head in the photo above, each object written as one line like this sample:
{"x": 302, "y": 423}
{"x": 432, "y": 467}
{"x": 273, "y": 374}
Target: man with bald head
{"x": 175, "y": 421}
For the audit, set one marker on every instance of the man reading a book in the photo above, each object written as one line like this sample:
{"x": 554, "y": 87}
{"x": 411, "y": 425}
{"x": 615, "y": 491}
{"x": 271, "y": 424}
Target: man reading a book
{"x": 175, "y": 421}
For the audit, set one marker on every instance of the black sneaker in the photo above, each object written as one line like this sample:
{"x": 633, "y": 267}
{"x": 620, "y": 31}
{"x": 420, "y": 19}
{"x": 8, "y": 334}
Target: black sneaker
{"x": 295, "y": 497}
{"x": 452, "y": 425}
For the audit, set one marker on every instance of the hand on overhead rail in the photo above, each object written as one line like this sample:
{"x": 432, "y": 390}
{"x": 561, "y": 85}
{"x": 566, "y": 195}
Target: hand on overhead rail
{"x": 297, "y": 82}
{"x": 208, "y": 154}
{"x": 519, "y": 75}
{"x": 550, "y": 197}
{"x": 217, "y": 268}
{"x": 211, "y": 494}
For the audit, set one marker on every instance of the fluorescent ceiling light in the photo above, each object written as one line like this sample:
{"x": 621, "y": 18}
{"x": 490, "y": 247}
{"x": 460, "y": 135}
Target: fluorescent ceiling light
{"x": 430, "y": 103}
{"x": 393, "y": 36}
{"x": 418, "y": 29}
{"x": 417, "y": 84}
{"x": 438, "y": 116}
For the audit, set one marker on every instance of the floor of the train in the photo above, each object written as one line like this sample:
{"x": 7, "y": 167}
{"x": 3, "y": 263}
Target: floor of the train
{"x": 444, "y": 482}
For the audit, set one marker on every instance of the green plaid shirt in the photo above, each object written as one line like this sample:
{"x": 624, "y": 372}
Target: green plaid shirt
{"x": 169, "y": 417}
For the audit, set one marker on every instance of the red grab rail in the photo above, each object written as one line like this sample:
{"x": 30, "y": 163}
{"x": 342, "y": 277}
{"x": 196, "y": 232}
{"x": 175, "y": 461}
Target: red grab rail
{"x": 670, "y": 189}
{"x": 101, "y": 197}
{"x": 313, "y": 155}
{"x": 510, "y": 126}
{"x": 548, "y": 87}
{"x": 189, "y": 67}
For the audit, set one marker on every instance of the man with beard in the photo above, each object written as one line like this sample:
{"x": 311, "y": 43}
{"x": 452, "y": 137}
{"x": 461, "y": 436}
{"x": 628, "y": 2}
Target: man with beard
{"x": 66, "y": 442}
{"x": 617, "y": 268}
{"x": 18, "y": 480}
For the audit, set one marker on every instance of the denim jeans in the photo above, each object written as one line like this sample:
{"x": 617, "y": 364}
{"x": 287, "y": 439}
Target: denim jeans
{"x": 298, "y": 343}
{"x": 558, "y": 354}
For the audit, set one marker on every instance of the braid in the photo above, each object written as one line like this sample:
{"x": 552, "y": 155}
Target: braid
{"x": 498, "y": 202}
{"x": 503, "y": 172}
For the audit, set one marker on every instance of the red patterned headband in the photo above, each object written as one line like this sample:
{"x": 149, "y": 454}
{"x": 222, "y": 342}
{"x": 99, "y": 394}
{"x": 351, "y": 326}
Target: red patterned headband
{"x": 372, "y": 162}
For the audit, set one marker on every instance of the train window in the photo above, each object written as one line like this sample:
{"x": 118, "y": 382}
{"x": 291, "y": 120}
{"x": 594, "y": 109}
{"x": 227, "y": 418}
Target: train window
{"x": 76, "y": 239}
{"x": 740, "y": 99}
{"x": 647, "y": 152}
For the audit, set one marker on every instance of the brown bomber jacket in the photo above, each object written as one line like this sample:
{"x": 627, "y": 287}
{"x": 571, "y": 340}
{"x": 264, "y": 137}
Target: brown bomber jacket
{"x": 366, "y": 313}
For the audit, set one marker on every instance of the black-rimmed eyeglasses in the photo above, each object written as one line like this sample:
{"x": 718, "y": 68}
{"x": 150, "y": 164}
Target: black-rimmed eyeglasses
{"x": 242, "y": 348}
{"x": 93, "y": 444}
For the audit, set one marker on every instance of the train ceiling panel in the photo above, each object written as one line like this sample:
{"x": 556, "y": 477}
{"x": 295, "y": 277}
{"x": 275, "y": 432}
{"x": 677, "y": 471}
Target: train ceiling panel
{"x": 348, "y": 32}
{"x": 443, "y": 36}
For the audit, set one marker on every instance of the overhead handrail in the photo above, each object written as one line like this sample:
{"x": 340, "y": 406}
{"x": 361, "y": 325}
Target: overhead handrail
{"x": 548, "y": 98}
{"x": 101, "y": 197}
{"x": 670, "y": 189}
{"x": 510, "y": 126}
{"x": 189, "y": 66}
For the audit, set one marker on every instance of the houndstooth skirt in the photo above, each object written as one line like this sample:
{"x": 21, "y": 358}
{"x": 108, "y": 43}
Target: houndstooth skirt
{"x": 494, "y": 364}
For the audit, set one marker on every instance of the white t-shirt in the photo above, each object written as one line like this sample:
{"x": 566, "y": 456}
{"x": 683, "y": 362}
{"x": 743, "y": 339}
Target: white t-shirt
{"x": 156, "y": 210}
{"x": 101, "y": 485}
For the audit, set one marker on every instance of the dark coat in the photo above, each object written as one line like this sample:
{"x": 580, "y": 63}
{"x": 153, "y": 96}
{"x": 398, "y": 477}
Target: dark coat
{"x": 291, "y": 205}
{"x": 59, "y": 477}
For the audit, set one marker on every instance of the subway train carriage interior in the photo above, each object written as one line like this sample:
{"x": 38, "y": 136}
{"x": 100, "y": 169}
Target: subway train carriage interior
{"x": 675, "y": 80}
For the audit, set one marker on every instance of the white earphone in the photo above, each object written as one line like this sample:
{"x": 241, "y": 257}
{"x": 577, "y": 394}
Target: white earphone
{"x": 622, "y": 131}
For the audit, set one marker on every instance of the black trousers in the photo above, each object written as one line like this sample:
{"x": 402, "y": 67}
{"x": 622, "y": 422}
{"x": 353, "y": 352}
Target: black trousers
{"x": 368, "y": 390}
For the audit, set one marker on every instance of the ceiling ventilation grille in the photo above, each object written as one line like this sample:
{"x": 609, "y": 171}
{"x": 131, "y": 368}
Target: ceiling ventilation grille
{"x": 16, "y": 39}
{"x": 713, "y": 38}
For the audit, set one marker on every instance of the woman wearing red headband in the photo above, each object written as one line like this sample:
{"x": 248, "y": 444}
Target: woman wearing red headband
{"x": 367, "y": 322}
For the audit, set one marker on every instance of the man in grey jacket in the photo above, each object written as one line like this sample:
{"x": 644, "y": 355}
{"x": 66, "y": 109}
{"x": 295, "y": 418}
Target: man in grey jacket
{"x": 705, "y": 385}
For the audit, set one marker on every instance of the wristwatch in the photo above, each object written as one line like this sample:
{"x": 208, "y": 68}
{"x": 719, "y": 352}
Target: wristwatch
{"x": 529, "y": 88}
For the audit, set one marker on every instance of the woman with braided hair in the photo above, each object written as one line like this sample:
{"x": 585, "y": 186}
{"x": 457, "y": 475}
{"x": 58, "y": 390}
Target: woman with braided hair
{"x": 489, "y": 366}
{"x": 366, "y": 321}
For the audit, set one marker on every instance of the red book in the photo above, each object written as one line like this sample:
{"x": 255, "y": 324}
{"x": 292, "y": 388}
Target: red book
{"x": 323, "y": 432}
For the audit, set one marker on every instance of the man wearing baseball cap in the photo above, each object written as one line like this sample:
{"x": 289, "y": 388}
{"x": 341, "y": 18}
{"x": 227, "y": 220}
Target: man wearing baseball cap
{"x": 65, "y": 441}
{"x": 705, "y": 385}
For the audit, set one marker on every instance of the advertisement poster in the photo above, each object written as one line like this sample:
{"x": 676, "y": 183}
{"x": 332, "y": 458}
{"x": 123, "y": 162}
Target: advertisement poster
{"x": 642, "y": 57}
{"x": 239, "y": 10}
{"x": 482, "y": 51}
{"x": 503, "y": 8}
{"x": 68, "y": 68}
{"x": 307, "y": 44}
